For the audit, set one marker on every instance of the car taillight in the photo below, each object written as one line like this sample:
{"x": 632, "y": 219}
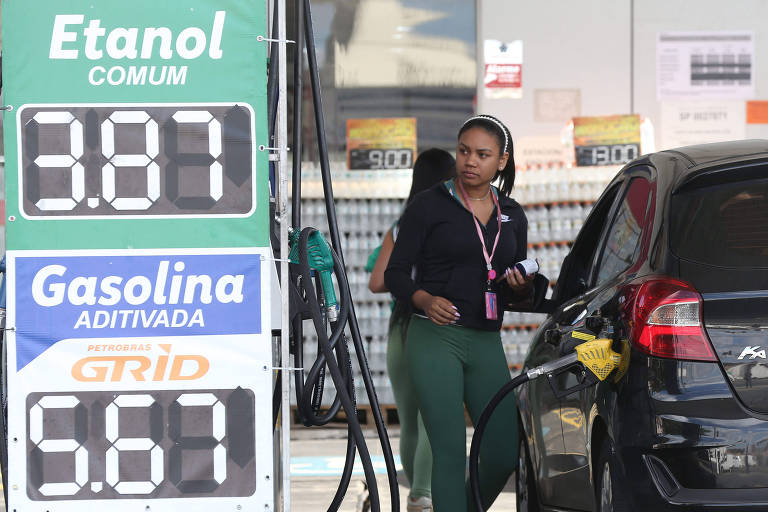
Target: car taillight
{"x": 666, "y": 320}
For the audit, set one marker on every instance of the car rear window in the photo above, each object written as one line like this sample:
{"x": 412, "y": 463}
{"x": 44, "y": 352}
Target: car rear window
{"x": 723, "y": 225}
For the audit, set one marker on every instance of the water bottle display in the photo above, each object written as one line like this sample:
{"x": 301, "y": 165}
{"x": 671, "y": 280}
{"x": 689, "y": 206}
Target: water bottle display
{"x": 556, "y": 199}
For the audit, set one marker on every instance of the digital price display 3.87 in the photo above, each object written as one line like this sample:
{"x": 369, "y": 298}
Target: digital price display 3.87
{"x": 102, "y": 160}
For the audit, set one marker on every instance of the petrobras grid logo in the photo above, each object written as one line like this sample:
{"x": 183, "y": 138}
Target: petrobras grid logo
{"x": 135, "y": 361}
{"x": 61, "y": 297}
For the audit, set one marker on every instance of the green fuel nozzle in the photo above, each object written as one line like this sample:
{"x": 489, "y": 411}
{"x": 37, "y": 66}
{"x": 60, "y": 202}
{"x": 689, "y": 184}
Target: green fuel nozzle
{"x": 320, "y": 260}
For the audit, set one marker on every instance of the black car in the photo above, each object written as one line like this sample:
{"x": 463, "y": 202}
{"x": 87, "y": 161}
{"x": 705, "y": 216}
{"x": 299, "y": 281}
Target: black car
{"x": 673, "y": 264}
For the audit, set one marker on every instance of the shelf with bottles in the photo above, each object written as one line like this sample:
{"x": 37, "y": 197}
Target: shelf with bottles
{"x": 518, "y": 329}
{"x": 557, "y": 219}
{"x": 547, "y": 204}
{"x": 556, "y": 182}
{"x": 520, "y": 319}
{"x": 353, "y": 184}
{"x": 359, "y": 215}
{"x": 560, "y": 182}
{"x": 515, "y": 343}
{"x": 551, "y": 243}
{"x": 550, "y": 258}
{"x": 363, "y": 223}
{"x": 509, "y": 327}
{"x": 557, "y": 222}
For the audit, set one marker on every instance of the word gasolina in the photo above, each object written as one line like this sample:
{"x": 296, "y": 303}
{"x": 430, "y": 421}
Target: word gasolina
{"x": 52, "y": 286}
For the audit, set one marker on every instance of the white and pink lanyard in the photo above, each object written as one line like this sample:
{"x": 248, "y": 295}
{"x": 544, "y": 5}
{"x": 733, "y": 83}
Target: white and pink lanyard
{"x": 491, "y": 272}
{"x": 490, "y": 296}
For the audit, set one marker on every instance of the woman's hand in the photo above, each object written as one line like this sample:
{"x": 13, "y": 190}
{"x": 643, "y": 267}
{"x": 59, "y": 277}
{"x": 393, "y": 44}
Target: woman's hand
{"x": 438, "y": 309}
{"x": 519, "y": 284}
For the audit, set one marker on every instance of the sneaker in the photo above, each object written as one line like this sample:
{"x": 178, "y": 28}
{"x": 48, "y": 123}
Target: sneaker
{"x": 363, "y": 499}
{"x": 421, "y": 504}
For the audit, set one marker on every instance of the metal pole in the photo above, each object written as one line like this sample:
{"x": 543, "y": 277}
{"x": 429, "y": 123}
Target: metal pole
{"x": 298, "y": 98}
{"x": 631, "y": 56}
{"x": 282, "y": 144}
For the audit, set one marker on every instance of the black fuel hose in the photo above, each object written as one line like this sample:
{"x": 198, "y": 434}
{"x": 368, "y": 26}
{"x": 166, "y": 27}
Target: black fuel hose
{"x": 342, "y": 379}
{"x": 336, "y": 244}
{"x": 298, "y": 97}
{"x": 482, "y": 422}
{"x": 340, "y": 367}
{"x": 306, "y": 406}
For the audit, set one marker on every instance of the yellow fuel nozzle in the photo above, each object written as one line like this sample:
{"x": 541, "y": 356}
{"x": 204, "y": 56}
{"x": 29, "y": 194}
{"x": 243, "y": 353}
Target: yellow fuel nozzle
{"x": 598, "y": 356}
{"x": 595, "y": 355}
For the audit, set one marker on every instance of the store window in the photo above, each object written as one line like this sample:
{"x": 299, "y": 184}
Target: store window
{"x": 392, "y": 58}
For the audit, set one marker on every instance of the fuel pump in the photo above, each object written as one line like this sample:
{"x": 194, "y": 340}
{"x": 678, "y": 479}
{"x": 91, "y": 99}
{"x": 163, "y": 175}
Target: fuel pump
{"x": 310, "y": 285}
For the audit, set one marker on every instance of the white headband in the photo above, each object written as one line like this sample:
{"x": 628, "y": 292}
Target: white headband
{"x": 494, "y": 121}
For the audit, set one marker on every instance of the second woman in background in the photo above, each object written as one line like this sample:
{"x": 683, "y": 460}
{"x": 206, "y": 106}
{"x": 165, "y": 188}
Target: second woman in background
{"x": 431, "y": 167}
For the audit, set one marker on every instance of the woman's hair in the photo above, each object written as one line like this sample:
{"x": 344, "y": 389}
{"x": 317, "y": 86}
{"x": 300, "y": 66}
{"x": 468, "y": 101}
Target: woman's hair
{"x": 430, "y": 168}
{"x": 496, "y": 128}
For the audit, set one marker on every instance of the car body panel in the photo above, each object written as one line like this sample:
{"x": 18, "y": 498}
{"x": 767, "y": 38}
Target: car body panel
{"x": 544, "y": 429}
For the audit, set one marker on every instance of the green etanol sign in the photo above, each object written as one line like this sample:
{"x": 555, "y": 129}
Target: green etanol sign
{"x": 135, "y": 124}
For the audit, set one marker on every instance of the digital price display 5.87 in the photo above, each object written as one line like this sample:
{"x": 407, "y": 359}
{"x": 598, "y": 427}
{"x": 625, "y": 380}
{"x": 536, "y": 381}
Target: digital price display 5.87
{"x": 136, "y": 160}
{"x": 153, "y": 444}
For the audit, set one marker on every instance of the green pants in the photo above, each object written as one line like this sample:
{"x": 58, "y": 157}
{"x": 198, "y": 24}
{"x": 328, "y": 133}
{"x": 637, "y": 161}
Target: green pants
{"x": 453, "y": 366}
{"x": 415, "y": 454}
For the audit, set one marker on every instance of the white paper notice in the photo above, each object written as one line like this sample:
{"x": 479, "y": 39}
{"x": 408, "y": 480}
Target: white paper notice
{"x": 503, "y": 77}
{"x": 700, "y": 122}
{"x": 556, "y": 105}
{"x": 705, "y": 65}
{"x": 541, "y": 150}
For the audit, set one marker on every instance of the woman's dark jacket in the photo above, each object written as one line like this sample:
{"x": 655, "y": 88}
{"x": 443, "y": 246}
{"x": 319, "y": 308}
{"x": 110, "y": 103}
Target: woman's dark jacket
{"x": 438, "y": 237}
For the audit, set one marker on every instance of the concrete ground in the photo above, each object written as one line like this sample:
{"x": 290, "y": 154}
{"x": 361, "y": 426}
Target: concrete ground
{"x": 317, "y": 456}
{"x": 315, "y": 452}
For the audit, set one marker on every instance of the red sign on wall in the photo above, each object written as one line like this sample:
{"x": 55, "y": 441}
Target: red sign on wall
{"x": 504, "y": 75}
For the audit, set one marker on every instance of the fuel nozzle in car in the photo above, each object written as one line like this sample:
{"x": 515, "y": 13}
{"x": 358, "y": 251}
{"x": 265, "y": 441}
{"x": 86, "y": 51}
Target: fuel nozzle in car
{"x": 592, "y": 361}
{"x": 590, "y": 358}
{"x": 581, "y": 343}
